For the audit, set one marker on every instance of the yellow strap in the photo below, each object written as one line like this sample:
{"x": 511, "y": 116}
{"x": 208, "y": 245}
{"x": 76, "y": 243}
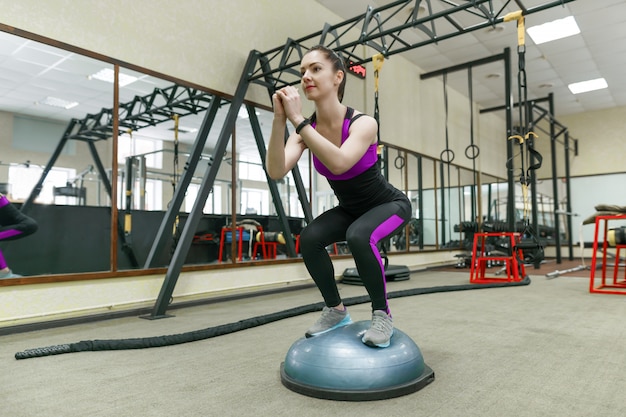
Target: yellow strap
{"x": 378, "y": 61}
{"x": 175, "y": 225}
{"x": 127, "y": 223}
{"x": 521, "y": 31}
{"x": 175, "y": 117}
{"x": 512, "y": 16}
{"x": 526, "y": 210}
{"x": 521, "y": 139}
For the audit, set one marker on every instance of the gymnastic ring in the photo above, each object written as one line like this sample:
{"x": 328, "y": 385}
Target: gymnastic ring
{"x": 449, "y": 153}
{"x": 401, "y": 164}
{"x": 475, "y": 151}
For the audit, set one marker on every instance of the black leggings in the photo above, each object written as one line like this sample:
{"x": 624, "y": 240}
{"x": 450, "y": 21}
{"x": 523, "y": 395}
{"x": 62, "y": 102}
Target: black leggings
{"x": 362, "y": 234}
{"x": 14, "y": 224}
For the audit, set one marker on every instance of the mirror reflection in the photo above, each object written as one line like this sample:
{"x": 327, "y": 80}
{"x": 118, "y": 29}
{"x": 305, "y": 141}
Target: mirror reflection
{"x": 46, "y": 166}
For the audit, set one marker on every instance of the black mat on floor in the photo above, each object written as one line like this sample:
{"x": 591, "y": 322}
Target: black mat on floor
{"x": 392, "y": 273}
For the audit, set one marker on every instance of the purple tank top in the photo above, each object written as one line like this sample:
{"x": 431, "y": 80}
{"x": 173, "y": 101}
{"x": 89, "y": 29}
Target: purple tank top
{"x": 370, "y": 158}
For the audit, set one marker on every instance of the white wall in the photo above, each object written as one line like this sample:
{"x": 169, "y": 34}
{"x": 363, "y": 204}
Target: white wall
{"x": 601, "y": 144}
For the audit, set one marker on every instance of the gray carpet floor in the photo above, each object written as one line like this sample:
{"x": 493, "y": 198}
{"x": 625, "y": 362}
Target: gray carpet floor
{"x": 546, "y": 349}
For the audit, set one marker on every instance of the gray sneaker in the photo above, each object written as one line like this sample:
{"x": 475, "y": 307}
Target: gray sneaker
{"x": 330, "y": 319}
{"x": 9, "y": 274}
{"x": 380, "y": 331}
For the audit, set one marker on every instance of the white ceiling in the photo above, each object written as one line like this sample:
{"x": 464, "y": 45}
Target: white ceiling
{"x": 30, "y": 71}
{"x": 598, "y": 51}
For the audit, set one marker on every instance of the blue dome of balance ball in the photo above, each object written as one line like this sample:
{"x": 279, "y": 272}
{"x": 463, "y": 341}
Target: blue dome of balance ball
{"x": 338, "y": 366}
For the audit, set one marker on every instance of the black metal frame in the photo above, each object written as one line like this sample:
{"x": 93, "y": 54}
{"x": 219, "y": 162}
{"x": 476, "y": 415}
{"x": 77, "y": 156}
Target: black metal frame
{"x": 543, "y": 113}
{"x": 276, "y": 68}
{"x": 273, "y": 69}
{"x": 554, "y": 136}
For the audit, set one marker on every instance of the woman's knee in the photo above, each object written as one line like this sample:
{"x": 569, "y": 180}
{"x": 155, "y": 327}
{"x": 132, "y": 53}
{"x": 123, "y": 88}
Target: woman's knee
{"x": 29, "y": 226}
{"x": 358, "y": 238}
{"x": 310, "y": 237}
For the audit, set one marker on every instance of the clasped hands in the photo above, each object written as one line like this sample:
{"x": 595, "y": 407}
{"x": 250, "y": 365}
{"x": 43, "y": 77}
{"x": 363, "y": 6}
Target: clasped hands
{"x": 288, "y": 105}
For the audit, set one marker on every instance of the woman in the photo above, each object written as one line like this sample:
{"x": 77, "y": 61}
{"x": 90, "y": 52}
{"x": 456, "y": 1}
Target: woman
{"x": 343, "y": 142}
{"x": 13, "y": 225}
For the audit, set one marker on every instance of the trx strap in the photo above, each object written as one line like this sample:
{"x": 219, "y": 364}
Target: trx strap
{"x": 175, "y": 176}
{"x": 529, "y": 244}
{"x": 128, "y": 225}
{"x": 378, "y": 60}
{"x": 175, "y": 181}
{"x": 125, "y": 231}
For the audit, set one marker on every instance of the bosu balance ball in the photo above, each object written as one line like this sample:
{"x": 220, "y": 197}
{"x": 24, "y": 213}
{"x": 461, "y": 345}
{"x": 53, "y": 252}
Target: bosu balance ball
{"x": 338, "y": 366}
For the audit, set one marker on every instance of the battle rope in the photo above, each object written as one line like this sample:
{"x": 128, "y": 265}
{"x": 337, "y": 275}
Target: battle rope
{"x": 193, "y": 336}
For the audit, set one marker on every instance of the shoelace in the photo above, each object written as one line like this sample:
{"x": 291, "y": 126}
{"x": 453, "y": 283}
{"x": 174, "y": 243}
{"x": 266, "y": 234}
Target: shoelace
{"x": 379, "y": 323}
{"x": 326, "y": 311}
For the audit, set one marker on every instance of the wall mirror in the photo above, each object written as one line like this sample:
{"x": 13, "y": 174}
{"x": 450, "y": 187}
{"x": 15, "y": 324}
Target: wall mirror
{"x": 44, "y": 88}
{"x": 48, "y": 93}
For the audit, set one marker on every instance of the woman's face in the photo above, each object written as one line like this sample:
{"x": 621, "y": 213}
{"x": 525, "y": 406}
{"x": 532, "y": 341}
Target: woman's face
{"x": 318, "y": 75}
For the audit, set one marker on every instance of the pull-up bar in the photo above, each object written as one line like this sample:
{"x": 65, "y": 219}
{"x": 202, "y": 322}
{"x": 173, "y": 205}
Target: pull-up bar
{"x": 379, "y": 29}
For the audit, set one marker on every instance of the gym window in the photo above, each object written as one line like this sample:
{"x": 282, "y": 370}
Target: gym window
{"x": 23, "y": 179}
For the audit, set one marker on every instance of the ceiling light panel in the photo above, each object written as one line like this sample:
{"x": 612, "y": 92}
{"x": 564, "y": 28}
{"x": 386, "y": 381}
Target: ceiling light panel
{"x": 589, "y": 85}
{"x": 108, "y": 75}
{"x": 58, "y": 102}
{"x": 551, "y": 31}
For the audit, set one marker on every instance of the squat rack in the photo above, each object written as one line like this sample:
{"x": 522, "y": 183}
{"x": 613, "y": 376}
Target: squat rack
{"x": 276, "y": 68}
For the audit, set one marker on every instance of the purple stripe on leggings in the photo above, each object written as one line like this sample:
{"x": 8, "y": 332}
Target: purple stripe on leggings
{"x": 4, "y": 201}
{"x": 380, "y": 233}
{"x": 3, "y": 263}
{"x": 9, "y": 233}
